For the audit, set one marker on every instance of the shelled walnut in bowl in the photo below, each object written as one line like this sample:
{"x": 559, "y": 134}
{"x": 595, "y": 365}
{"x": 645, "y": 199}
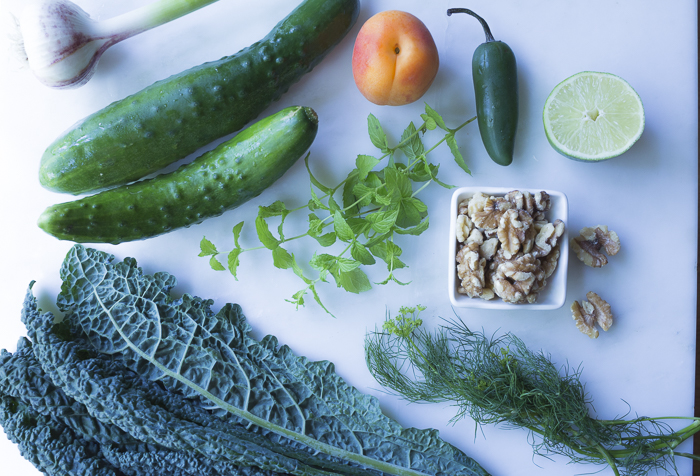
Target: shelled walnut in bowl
{"x": 506, "y": 245}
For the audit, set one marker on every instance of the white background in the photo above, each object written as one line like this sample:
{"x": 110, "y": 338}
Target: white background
{"x": 648, "y": 196}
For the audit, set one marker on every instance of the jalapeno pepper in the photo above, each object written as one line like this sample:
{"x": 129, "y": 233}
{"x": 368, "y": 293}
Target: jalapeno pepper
{"x": 496, "y": 89}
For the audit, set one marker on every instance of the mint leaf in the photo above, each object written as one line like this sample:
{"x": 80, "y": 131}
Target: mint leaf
{"x": 373, "y": 180}
{"x": 234, "y": 261}
{"x": 411, "y": 212}
{"x": 432, "y": 114}
{"x": 333, "y": 205}
{"x": 348, "y": 195}
{"x": 363, "y": 194}
{"x": 276, "y": 209}
{"x": 355, "y": 281}
{"x": 429, "y": 122}
{"x": 389, "y": 252}
{"x": 207, "y": 248}
{"x": 317, "y": 298}
{"x": 264, "y": 235}
{"x": 342, "y": 229}
{"x": 297, "y": 298}
{"x": 421, "y": 172}
{"x": 316, "y": 225}
{"x": 452, "y": 143}
{"x": 362, "y": 254}
{"x": 326, "y": 240}
{"x": 359, "y": 226}
{"x": 382, "y": 222}
{"x": 323, "y": 261}
{"x": 433, "y": 170}
{"x": 398, "y": 182}
{"x": 345, "y": 264}
{"x": 237, "y": 233}
{"x": 299, "y": 272}
{"x": 215, "y": 265}
{"x": 281, "y": 258}
{"x": 383, "y": 198}
{"x": 413, "y": 147}
{"x": 365, "y": 164}
{"x": 317, "y": 203}
{"x": 416, "y": 230}
{"x": 377, "y": 134}
{"x": 391, "y": 277}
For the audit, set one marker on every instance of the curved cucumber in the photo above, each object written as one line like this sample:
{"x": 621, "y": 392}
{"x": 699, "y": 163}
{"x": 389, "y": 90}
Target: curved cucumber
{"x": 219, "y": 180}
{"x": 172, "y": 118}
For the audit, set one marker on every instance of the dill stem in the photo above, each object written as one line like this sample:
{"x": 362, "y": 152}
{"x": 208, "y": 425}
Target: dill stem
{"x": 636, "y": 420}
{"x": 608, "y": 458}
{"x": 688, "y": 455}
{"x": 668, "y": 442}
{"x": 420, "y": 354}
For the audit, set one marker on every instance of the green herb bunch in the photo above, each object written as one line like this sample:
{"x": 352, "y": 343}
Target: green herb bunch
{"x": 500, "y": 381}
{"x": 365, "y": 212}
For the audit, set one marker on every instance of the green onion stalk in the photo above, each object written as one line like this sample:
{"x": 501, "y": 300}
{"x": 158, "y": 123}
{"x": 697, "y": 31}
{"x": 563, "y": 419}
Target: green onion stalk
{"x": 500, "y": 381}
{"x": 61, "y": 43}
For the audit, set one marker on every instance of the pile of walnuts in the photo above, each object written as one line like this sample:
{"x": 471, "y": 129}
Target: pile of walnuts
{"x": 507, "y": 247}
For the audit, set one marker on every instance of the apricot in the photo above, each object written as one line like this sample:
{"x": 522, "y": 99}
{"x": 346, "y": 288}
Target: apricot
{"x": 394, "y": 60}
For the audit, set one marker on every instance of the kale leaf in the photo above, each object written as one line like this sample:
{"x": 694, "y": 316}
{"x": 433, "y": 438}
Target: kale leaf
{"x": 160, "y": 385}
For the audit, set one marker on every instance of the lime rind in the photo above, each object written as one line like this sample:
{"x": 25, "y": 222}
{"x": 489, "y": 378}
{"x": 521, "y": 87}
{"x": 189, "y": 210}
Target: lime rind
{"x": 593, "y": 116}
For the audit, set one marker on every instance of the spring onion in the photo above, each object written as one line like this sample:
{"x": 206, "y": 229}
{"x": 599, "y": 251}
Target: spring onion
{"x": 62, "y": 44}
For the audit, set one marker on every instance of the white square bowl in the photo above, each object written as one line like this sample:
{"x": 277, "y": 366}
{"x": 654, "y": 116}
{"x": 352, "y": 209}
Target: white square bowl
{"x": 553, "y": 295}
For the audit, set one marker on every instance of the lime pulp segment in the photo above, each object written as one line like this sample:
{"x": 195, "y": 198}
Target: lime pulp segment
{"x": 593, "y": 116}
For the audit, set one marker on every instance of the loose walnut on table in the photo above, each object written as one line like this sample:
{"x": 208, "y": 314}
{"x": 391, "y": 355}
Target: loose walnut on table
{"x": 589, "y": 313}
{"x": 591, "y": 243}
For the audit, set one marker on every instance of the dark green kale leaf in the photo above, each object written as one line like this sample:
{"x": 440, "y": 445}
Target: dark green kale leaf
{"x": 151, "y": 460}
{"x": 48, "y": 444}
{"x": 22, "y": 377}
{"x": 44, "y": 404}
{"x": 275, "y": 410}
{"x": 142, "y": 408}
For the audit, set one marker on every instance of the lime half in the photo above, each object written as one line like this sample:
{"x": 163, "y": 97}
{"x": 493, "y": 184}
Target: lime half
{"x": 593, "y": 116}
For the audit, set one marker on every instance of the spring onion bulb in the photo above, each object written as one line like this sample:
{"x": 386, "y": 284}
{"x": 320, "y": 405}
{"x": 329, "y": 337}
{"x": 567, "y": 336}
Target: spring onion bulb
{"x": 62, "y": 44}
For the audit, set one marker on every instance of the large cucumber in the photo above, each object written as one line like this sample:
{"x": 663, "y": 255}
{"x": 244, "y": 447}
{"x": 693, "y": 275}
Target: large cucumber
{"x": 172, "y": 118}
{"x": 219, "y": 180}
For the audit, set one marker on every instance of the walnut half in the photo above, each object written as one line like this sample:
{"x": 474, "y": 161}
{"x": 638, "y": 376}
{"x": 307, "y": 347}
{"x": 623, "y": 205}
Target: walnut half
{"x": 591, "y": 242}
{"x": 592, "y": 312}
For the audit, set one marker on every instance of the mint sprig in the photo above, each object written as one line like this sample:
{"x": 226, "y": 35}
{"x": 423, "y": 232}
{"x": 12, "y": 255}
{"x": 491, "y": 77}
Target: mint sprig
{"x": 361, "y": 217}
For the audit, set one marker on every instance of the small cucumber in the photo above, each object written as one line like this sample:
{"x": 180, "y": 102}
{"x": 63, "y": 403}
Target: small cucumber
{"x": 172, "y": 118}
{"x": 219, "y": 180}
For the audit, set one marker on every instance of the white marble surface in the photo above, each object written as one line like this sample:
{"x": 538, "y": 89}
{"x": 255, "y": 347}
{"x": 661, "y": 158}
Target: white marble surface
{"x": 648, "y": 196}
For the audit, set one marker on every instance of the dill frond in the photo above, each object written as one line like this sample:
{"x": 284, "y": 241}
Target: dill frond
{"x": 498, "y": 380}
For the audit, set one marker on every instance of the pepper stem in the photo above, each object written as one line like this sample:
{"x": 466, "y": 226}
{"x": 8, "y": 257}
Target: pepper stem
{"x": 487, "y": 30}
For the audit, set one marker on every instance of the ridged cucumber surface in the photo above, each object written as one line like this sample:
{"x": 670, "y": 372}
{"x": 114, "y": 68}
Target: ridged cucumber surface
{"x": 172, "y": 118}
{"x": 219, "y": 180}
